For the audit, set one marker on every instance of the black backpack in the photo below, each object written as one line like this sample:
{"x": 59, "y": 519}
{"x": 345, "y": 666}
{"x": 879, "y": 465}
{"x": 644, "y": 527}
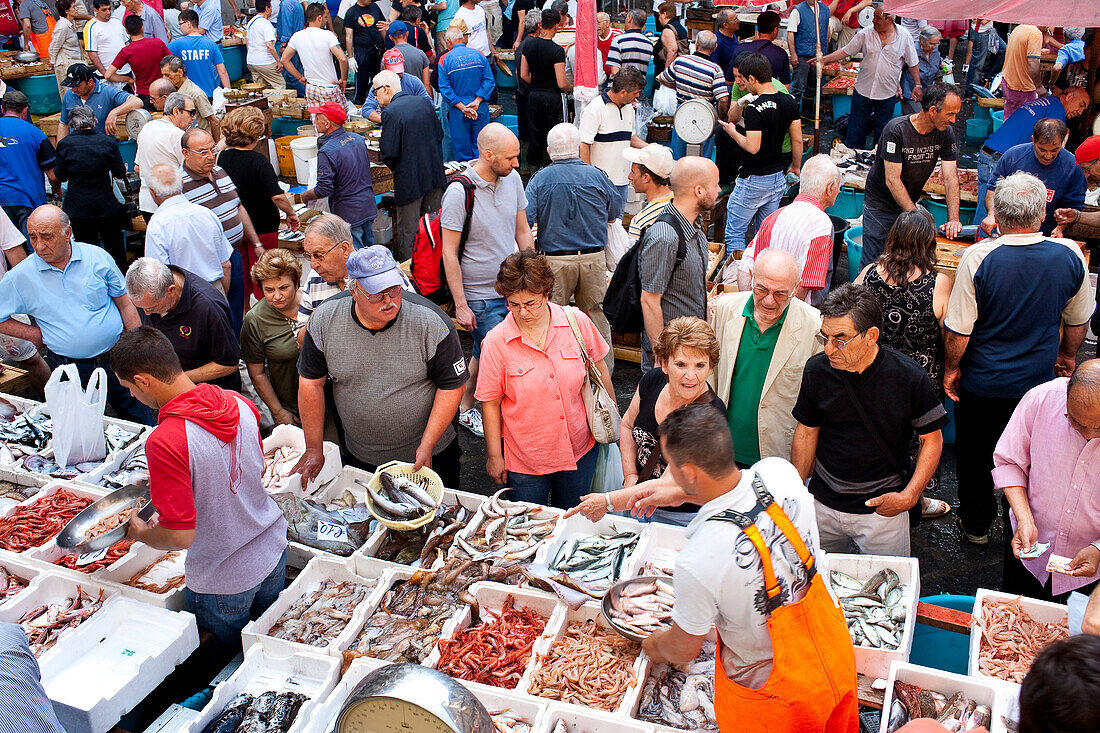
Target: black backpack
{"x": 622, "y": 303}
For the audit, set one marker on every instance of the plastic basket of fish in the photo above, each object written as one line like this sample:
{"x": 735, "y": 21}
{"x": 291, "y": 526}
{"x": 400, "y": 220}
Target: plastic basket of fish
{"x": 596, "y": 555}
{"x": 587, "y": 663}
{"x": 282, "y": 449}
{"x": 1007, "y": 632}
{"x": 656, "y": 554}
{"x": 960, "y": 703}
{"x": 316, "y": 612}
{"x": 570, "y": 719}
{"x": 151, "y": 576}
{"x": 679, "y": 697}
{"x": 53, "y": 607}
{"x": 428, "y": 545}
{"x": 92, "y": 564}
{"x": 39, "y": 519}
{"x": 493, "y": 642}
{"x": 111, "y": 663}
{"x": 281, "y": 692}
{"x": 878, "y": 595}
{"x": 508, "y": 532}
{"x": 16, "y": 577}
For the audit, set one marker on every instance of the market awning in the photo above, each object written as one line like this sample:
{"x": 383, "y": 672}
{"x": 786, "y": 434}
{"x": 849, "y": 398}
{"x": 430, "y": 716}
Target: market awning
{"x": 1059, "y": 13}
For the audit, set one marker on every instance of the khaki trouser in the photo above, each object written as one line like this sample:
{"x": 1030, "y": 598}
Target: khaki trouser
{"x": 841, "y": 31}
{"x": 584, "y": 279}
{"x": 873, "y": 533}
{"x": 494, "y": 16}
{"x": 268, "y": 75}
{"x": 61, "y": 68}
{"x": 408, "y": 219}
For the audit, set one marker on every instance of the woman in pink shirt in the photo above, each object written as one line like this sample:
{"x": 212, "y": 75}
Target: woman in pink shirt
{"x": 529, "y": 384}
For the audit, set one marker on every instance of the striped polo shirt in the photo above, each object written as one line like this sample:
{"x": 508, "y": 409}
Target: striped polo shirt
{"x": 645, "y": 217}
{"x": 803, "y": 229}
{"x": 607, "y": 128}
{"x": 630, "y": 47}
{"x": 696, "y": 77}
{"x": 218, "y": 194}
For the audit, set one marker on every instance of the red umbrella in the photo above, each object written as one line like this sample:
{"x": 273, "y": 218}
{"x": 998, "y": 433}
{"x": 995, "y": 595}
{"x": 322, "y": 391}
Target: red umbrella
{"x": 1059, "y": 13}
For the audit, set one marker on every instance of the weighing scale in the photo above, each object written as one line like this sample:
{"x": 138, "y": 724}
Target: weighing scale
{"x": 408, "y": 698}
{"x": 694, "y": 124}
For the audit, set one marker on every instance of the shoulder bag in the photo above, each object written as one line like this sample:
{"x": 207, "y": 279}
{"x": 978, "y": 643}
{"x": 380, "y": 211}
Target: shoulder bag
{"x": 599, "y": 404}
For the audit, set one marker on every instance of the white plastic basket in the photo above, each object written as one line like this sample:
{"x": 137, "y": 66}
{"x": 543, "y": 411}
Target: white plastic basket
{"x": 1041, "y": 611}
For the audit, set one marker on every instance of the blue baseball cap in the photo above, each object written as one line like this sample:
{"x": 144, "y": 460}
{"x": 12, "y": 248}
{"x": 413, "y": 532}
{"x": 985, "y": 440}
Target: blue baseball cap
{"x": 374, "y": 268}
{"x": 397, "y": 27}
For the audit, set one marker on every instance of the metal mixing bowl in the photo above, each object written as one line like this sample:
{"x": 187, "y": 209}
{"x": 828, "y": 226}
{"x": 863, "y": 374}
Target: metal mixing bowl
{"x": 73, "y": 537}
{"x": 614, "y": 591}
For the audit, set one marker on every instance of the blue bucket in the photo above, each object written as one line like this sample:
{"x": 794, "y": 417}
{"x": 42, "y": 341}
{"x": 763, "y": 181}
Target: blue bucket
{"x": 511, "y": 122}
{"x": 504, "y": 81}
{"x": 949, "y": 429}
{"x": 284, "y": 126}
{"x": 43, "y": 97}
{"x": 128, "y": 148}
{"x": 998, "y": 116}
{"x": 849, "y": 203}
{"x": 233, "y": 57}
{"x": 853, "y": 238}
{"x": 651, "y": 24}
{"x": 977, "y": 129}
{"x": 945, "y": 650}
{"x": 938, "y": 209}
{"x": 842, "y": 105}
{"x": 983, "y": 113}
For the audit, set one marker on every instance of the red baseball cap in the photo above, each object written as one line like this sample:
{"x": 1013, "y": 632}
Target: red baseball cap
{"x": 1089, "y": 150}
{"x": 392, "y": 60}
{"x": 333, "y": 110}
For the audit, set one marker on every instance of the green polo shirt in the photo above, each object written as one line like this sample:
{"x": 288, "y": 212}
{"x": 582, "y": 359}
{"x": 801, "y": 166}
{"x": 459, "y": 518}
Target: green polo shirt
{"x": 754, "y": 356}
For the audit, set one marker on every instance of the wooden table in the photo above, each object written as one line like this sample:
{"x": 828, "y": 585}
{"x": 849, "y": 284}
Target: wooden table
{"x": 13, "y": 380}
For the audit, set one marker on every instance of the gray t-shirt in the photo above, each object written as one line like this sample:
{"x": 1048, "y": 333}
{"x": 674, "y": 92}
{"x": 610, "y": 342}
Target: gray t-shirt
{"x": 384, "y": 382}
{"x": 415, "y": 60}
{"x": 492, "y": 228}
{"x": 683, "y": 292}
{"x": 33, "y": 9}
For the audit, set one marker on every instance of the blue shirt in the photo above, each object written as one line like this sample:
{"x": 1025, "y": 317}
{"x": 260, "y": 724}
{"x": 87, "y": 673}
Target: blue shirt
{"x": 409, "y": 85}
{"x": 464, "y": 74}
{"x": 447, "y": 14}
{"x": 73, "y": 307}
{"x": 1064, "y": 180}
{"x": 210, "y": 18}
{"x": 102, "y": 100}
{"x": 200, "y": 59}
{"x": 927, "y": 66}
{"x": 25, "y": 152}
{"x": 292, "y": 18}
{"x": 1016, "y": 130}
{"x": 572, "y": 203}
{"x": 1072, "y": 51}
{"x": 725, "y": 52}
{"x": 24, "y": 707}
{"x": 343, "y": 175}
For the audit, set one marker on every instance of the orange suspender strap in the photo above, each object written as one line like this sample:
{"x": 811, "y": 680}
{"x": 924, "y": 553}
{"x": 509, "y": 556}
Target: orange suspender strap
{"x": 771, "y": 583}
{"x": 791, "y": 533}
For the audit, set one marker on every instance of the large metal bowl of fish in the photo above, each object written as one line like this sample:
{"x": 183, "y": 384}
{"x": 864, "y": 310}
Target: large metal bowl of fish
{"x": 409, "y": 482}
{"x": 640, "y": 606}
{"x": 105, "y": 522}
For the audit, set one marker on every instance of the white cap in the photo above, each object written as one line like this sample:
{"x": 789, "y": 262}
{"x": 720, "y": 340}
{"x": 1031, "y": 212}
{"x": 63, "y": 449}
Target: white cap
{"x": 655, "y": 157}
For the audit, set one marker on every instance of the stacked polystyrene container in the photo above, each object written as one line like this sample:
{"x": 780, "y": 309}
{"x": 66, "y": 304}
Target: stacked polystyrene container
{"x": 1042, "y": 611}
{"x": 947, "y": 684}
{"x": 293, "y": 437}
{"x": 86, "y": 492}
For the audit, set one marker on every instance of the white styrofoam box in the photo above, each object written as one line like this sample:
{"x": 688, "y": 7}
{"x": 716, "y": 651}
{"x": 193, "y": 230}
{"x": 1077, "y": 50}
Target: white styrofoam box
{"x": 491, "y": 598}
{"x": 945, "y": 683}
{"x": 307, "y": 673}
{"x": 318, "y": 570}
{"x": 324, "y": 715}
{"x": 577, "y": 527}
{"x": 647, "y": 670}
{"x": 114, "y": 660}
{"x": 86, "y": 492}
{"x": 872, "y": 661}
{"x": 114, "y": 462}
{"x": 586, "y": 720}
{"x": 471, "y": 502}
{"x": 139, "y": 558}
{"x": 497, "y": 700}
{"x": 561, "y": 622}
{"x": 19, "y": 567}
{"x": 1042, "y": 611}
{"x": 292, "y": 435}
{"x": 50, "y": 553}
{"x": 22, "y": 479}
{"x": 660, "y": 546}
{"x": 540, "y": 513}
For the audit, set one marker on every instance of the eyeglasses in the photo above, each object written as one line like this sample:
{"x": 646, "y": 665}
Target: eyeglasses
{"x": 376, "y": 90}
{"x": 838, "y": 344}
{"x": 205, "y": 152}
{"x": 317, "y": 258}
{"x": 191, "y": 111}
{"x": 393, "y": 293}
{"x": 513, "y": 306}
{"x": 764, "y": 292}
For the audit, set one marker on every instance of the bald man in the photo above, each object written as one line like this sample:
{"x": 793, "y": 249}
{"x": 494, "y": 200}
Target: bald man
{"x": 1045, "y": 462}
{"x": 673, "y": 252}
{"x": 498, "y": 229}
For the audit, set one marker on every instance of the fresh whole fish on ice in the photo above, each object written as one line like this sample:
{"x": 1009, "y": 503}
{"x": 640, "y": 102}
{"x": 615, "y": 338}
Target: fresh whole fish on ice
{"x": 597, "y": 560}
{"x": 643, "y": 607}
{"x": 589, "y": 665}
{"x": 957, "y": 713}
{"x": 10, "y": 584}
{"x": 1011, "y": 638}
{"x": 320, "y": 615}
{"x": 681, "y": 697}
{"x": 420, "y": 548}
{"x": 311, "y": 524}
{"x": 508, "y": 532}
{"x": 505, "y": 721}
{"x": 400, "y": 499}
{"x": 874, "y": 610}
{"x": 134, "y": 470}
{"x": 269, "y": 712}
{"x": 279, "y": 466}
{"x": 44, "y": 624}
{"x": 27, "y": 433}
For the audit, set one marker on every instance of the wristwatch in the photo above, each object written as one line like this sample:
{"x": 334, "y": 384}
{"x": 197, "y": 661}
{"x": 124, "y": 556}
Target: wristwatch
{"x": 607, "y": 498}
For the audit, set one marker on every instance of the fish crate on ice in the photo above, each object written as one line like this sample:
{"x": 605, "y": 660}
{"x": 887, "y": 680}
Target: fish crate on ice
{"x": 17, "y": 576}
{"x": 282, "y": 690}
{"x": 657, "y": 552}
{"x": 124, "y": 467}
{"x": 868, "y": 614}
{"x": 316, "y": 612}
{"x": 40, "y": 518}
{"x": 507, "y": 660}
{"x": 558, "y": 718}
{"x": 151, "y": 576}
{"x": 584, "y": 633}
{"x": 111, "y": 663}
{"x": 71, "y": 602}
{"x": 428, "y": 545}
{"x": 540, "y": 526}
{"x": 1042, "y": 614}
{"x": 598, "y": 554}
{"x": 277, "y": 476}
{"x": 943, "y": 683}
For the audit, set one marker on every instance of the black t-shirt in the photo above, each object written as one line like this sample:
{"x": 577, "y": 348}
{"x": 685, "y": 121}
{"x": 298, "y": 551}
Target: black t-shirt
{"x": 509, "y": 27}
{"x": 918, "y": 155}
{"x": 772, "y": 115}
{"x": 541, "y": 55}
{"x": 364, "y": 24}
{"x": 897, "y": 396}
{"x": 256, "y": 183}
{"x": 200, "y": 329}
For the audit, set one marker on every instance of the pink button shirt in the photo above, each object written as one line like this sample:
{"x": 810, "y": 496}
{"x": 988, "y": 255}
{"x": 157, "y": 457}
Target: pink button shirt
{"x": 545, "y": 428}
{"x": 1041, "y": 451}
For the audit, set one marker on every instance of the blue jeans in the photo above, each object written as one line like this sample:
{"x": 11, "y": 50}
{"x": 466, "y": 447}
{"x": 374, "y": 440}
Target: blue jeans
{"x": 487, "y": 313}
{"x": 18, "y": 216}
{"x": 235, "y": 295}
{"x": 679, "y": 147}
{"x": 876, "y": 226}
{"x": 986, "y": 164}
{"x": 362, "y": 234}
{"x": 225, "y": 615}
{"x": 800, "y": 79}
{"x": 562, "y": 489}
{"x": 865, "y": 113}
{"x": 124, "y": 404}
{"x": 448, "y": 149}
{"x": 624, "y": 192}
{"x": 754, "y": 198}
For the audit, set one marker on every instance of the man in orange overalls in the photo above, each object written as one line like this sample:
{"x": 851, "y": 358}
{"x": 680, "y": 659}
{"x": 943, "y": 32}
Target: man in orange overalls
{"x": 37, "y": 24}
{"x": 785, "y": 661}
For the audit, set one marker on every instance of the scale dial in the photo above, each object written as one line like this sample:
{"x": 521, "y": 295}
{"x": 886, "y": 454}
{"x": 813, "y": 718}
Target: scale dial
{"x": 865, "y": 17}
{"x": 390, "y": 715}
{"x": 694, "y": 121}
{"x": 408, "y": 698}
{"x": 135, "y": 120}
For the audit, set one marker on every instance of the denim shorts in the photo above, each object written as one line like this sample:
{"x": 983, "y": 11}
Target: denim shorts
{"x": 224, "y": 615}
{"x": 487, "y": 313}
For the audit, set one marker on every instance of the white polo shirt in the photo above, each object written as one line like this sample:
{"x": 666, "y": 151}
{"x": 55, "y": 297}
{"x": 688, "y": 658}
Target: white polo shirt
{"x": 157, "y": 143}
{"x": 608, "y": 128}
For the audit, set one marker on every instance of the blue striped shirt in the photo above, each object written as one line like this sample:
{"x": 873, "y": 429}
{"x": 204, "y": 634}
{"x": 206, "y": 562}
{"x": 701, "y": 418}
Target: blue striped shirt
{"x": 630, "y": 47}
{"x": 696, "y": 77}
{"x": 24, "y": 707}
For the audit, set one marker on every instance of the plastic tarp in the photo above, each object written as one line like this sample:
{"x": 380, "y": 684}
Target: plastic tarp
{"x": 1058, "y": 13}
{"x": 585, "y": 77}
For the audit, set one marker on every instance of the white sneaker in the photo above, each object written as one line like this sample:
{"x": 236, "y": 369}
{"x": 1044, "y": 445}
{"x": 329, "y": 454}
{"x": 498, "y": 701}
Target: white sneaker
{"x": 471, "y": 420}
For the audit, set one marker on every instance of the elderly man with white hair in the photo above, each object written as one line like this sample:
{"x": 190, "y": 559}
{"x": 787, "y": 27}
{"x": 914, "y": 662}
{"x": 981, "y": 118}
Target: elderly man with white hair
{"x": 767, "y": 335}
{"x": 159, "y": 141}
{"x": 695, "y": 76}
{"x": 1017, "y": 316}
{"x": 803, "y": 229}
{"x": 571, "y": 203}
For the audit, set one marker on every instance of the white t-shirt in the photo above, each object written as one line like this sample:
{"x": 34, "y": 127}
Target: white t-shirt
{"x": 10, "y": 238}
{"x": 718, "y": 576}
{"x": 107, "y": 39}
{"x": 477, "y": 23}
{"x": 157, "y": 143}
{"x": 314, "y": 50}
{"x": 260, "y": 31}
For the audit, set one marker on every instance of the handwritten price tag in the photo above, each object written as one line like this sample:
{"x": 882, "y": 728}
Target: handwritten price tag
{"x": 332, "y": 532}
{"x": 90, "y": 557}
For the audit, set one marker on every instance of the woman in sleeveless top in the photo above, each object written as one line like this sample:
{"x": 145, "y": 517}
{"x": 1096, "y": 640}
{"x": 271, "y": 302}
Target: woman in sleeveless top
{"x": 914, "y": 302}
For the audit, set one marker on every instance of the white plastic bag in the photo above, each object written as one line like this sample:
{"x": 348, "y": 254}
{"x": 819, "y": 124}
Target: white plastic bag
{"x": 664, "y": 100}
{"x": 218, "y": 102}
{"x": 609, "y": 469}
{"x": 617, "y": 244}
{"x": 77, "y": 415}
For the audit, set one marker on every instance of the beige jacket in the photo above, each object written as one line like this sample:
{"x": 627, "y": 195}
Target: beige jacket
{"x": 795, "y": 346}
